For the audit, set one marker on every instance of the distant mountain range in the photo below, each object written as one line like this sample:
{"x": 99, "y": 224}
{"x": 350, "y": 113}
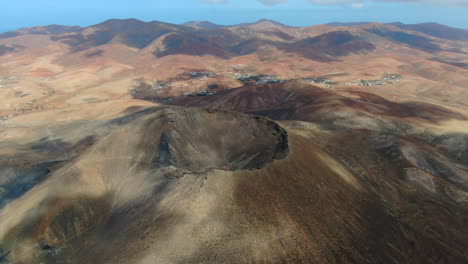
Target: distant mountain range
{"x": 209, "y": 25}
{"x": 432, "y": 29}
{"x": 229, "y": 41}
{"x": 429, "y": 28}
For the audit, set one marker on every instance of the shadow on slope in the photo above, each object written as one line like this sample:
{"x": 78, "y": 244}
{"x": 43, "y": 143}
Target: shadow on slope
{"x": 299, "y": 101}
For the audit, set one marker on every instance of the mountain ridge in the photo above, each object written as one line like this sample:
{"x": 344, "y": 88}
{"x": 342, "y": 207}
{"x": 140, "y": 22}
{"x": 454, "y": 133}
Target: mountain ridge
{"x": 423, "y": 27}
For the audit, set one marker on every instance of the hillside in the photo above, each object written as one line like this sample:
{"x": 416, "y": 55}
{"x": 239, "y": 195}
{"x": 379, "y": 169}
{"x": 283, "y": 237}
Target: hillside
{"x": 436, "y": 30}
{"x": 150, "y": 142}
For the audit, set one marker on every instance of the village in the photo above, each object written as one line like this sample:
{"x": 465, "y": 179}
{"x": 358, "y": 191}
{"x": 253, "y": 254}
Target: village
{"x": 159, "y": 90}
{"x": 386, "y": 79}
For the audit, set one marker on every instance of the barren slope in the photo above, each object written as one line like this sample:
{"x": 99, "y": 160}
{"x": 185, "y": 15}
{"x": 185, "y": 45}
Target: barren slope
{"x": 175, "y": 185}
{"x": 366, "y": 161}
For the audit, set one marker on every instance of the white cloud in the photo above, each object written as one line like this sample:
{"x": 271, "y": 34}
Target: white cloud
{"x": 334, "y": 2}
{"x": 214, "y": 1}
{"x": 265, "y": 2}
{"x": 357, "y": 5}
{"x": 272, "y": 2}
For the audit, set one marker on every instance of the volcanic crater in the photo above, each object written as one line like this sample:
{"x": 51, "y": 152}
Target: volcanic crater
{"x": 199, "y": 139}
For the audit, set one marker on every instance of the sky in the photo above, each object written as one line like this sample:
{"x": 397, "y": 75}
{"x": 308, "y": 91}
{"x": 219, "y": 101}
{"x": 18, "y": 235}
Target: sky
{"x": 27, "y": 13}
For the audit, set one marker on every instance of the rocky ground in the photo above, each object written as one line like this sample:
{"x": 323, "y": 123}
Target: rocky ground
{"x": 110, "y": 151}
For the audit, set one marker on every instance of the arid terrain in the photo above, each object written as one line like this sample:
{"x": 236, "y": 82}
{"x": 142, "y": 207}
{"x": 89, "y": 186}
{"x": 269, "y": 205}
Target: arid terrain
{"x": 149, "y": 142}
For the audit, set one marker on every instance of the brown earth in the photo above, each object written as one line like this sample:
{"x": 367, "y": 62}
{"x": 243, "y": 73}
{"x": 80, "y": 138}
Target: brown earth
{"x": 345, "y": 174}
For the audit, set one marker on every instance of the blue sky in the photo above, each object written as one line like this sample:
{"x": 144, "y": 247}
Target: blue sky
{"x": 26, "y": 13}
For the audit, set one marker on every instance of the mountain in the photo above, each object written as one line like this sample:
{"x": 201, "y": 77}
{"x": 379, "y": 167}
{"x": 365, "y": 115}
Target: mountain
{"x": 345, "y": 170}
{"x": 132, "y": 32}
{"x": 413, "y": 40}
{"x": 430, "y": 29}
{"x": 41, "y": 30}
{"x": 203, "y": 24}
{"x": 436, "y": 30}
{"x": 262, "y": 23}
{"x": 349, "y": 24}
{"x": 299, "y": 101}
{"x": 190, "y": 44}
{"x": 331, "y": 45}
{"x": 149, "y": 142}
{"x": 222, "y": 43}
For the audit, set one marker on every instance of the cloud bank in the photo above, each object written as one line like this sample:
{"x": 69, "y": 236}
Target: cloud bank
{"x": 356, "y": 3}
{"x": 272, "y": 2}
{"x": 214, "y": 1}
{"x": 423, "y": 2}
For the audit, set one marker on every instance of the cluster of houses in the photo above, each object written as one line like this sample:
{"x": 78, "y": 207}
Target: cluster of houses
{"x": 387, "y": 78}
{"x": 391, "y": 76}
{"x": 259, "y": 79}
{"x": 7, "y": 117}
{"x": 249, "y": 79}
{"x": 202, "y": 75}
{"x": 317, "y": 80}
{"x": 203, "y": 93}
